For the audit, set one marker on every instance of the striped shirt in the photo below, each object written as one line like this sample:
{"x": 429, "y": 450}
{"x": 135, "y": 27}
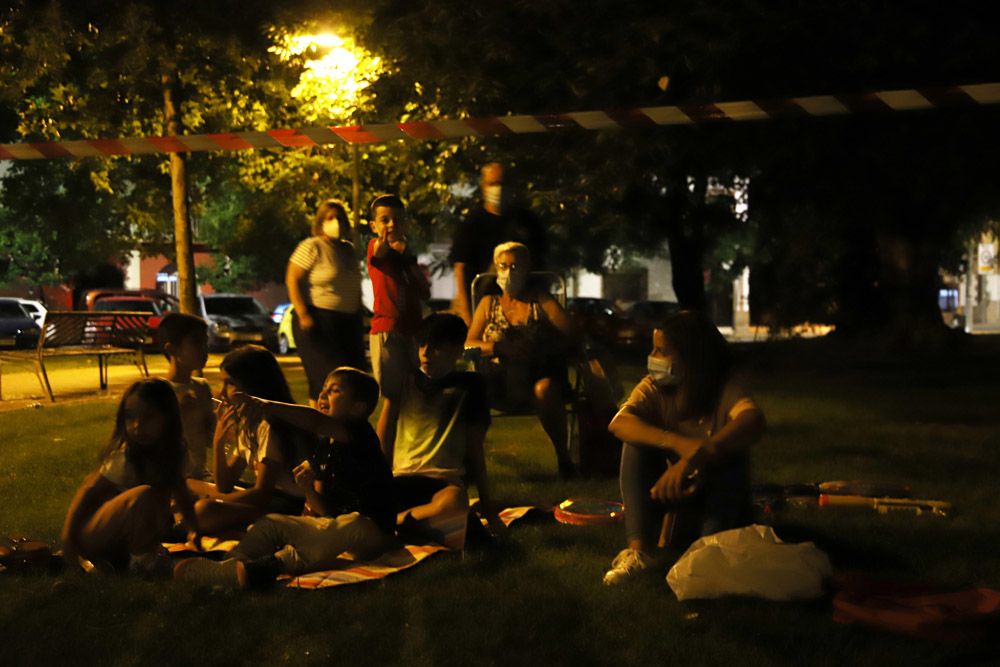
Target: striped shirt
{"x": 334, "y": 273}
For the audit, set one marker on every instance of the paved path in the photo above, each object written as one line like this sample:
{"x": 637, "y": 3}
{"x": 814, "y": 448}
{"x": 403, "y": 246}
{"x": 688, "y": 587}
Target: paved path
{"x": 77, "y": 381}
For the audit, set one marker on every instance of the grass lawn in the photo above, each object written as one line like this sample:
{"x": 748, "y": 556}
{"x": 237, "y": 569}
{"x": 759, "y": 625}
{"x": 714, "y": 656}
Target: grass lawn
{"x": 536, "y": 597}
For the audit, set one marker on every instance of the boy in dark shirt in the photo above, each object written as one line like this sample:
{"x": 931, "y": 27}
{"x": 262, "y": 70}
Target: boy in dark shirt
{"x": 350, "y": 506}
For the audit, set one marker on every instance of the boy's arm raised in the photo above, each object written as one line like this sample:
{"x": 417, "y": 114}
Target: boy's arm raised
{"x": 299, "y": 416}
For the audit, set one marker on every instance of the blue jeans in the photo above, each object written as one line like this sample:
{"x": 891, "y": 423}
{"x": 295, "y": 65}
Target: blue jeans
{"x": 722, "y": 502}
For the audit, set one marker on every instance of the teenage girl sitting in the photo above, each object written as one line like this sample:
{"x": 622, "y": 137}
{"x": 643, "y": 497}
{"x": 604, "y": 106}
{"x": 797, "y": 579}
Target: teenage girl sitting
{"x": 687, "y": 429}
{"x": 121, "y": 513}
{"x": 269, "y": 449}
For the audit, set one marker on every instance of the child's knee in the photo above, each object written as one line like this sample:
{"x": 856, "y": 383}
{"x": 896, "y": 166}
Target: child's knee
{"x": 145, "y": 498}
{"x": 452, "y": 499}
{"x": 203, "y": 506}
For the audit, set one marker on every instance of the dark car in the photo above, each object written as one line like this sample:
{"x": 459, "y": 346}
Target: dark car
{"x": 17, "y": 328}
{"x": 647, "y": 315}
{"x": 602, "y": 321}
{"x": 237, "y": 319}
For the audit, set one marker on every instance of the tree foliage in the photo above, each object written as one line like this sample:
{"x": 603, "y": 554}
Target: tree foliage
{"x": 850, "y": 217}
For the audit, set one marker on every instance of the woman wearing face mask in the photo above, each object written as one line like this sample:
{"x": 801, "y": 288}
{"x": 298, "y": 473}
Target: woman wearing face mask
{"x": 523, "y": 331}
{"x": 324, "y": 286}
{"x": 687, "y": 429}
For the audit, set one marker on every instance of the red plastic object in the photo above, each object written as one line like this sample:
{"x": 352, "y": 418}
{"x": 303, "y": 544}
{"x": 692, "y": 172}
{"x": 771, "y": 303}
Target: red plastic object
{"x": 589, "y": 512}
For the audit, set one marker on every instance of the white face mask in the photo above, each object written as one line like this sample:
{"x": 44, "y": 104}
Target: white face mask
{"x": 662, "y": 372}
{"x": 493, "y": 195}
{"x": 331, "y": 228}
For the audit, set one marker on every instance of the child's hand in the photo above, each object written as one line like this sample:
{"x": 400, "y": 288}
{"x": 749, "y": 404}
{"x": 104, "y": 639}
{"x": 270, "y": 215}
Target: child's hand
{"x": 226, "y": 418}
{"x": 304, "y": 475}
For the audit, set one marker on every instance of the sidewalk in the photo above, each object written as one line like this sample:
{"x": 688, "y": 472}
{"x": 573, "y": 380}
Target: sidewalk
{"x": 77, "y": 382}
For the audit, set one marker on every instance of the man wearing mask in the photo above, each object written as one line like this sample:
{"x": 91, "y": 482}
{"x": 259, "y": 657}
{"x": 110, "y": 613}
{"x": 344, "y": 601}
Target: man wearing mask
{"x": 494, "y": 222}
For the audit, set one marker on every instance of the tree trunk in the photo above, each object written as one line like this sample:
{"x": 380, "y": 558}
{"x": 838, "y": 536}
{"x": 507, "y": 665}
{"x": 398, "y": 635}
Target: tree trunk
{"x": 684, "y": 238}
{"x": 186, "y": 285}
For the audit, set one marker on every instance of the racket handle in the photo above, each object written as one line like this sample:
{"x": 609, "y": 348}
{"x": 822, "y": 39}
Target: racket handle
{"x": 917, "y": 505}
{"x": 829, "y": 500}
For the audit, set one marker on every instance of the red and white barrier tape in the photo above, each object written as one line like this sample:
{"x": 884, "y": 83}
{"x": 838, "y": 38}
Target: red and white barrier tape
{"x": 819, "y": 105}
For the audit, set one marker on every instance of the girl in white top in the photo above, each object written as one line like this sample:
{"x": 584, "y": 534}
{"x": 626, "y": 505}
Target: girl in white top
{"x": 121, "y": 513}
{"x": 269, "y": 450}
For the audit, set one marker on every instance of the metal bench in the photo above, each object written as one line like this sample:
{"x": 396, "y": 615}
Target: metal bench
{"x": 85, "y": 333}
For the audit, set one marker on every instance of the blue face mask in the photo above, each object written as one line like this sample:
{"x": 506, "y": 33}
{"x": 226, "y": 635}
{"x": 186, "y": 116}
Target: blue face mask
{"x": 662, "y": 372}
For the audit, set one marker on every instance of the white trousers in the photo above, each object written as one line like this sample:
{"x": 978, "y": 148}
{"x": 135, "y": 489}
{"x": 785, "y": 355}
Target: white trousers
{"x": 306, "y": 543}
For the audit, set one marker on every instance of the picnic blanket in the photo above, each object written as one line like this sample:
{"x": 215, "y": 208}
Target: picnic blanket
{"x": 355, "y": 572}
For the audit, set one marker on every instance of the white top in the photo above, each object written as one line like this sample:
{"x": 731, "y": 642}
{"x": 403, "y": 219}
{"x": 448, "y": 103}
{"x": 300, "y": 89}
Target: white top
{"x": 431, "y": 435}
{"x": 267, "y": 446}
{"x": 117, "y": 470}
{"x": 334, "y": 273}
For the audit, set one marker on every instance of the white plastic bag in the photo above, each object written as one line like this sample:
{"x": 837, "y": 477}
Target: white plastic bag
{"x": 749, "y": 561}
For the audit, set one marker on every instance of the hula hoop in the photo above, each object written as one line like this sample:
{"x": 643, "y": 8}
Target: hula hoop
{"x": 589, "y": 512}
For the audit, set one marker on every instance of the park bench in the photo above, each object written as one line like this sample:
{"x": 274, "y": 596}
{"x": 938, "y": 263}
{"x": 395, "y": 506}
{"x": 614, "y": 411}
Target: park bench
{"x": 85, "y": 333}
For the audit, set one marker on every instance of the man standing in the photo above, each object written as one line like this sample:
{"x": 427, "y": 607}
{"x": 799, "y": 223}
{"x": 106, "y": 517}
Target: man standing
{"x": 486, "y": 227}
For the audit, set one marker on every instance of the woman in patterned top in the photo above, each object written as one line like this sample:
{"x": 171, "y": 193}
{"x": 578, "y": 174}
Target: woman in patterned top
{"x": 524, "y": 333}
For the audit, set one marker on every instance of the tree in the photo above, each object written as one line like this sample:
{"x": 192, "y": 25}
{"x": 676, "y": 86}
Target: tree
{"x": 864, "y": 257}
{"x": 82, "y": 70}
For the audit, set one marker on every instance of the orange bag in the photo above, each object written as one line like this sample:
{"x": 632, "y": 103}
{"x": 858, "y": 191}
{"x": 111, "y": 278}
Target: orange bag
{"x": 20, "y": 553}
{"x": 918, "y": 611}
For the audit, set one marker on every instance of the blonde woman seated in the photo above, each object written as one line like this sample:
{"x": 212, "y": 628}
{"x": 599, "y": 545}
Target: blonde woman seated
{"x": 524, "y": 336}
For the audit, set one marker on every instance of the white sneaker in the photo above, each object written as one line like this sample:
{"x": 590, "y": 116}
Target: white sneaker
{"x": 627, "y": 563}
{"x": 230, "y": 573}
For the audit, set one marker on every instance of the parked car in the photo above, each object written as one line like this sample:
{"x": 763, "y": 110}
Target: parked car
{"x": 279, "y": 312}
{"x": 648, "y": 314}
{"x": 164, "y": 302}
{"x": 138, "y": 304}
{"x": 17, "y": 328}
{"x": 286, "y": 339}
{"x": 237, "y": 319}
{"x": 36, "y": 309}
{"x": 602, "y": 321}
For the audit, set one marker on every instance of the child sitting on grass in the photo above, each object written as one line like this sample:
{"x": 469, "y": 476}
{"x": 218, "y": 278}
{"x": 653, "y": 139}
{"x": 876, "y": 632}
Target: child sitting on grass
{"x": 687, "y": 429}
{"x": 348, "y": 488}
{"x": 184, "y": 341}
{"x": 121, "y": 513}
{"x": 270, "y": 449}
{"x": 437, "y": 438}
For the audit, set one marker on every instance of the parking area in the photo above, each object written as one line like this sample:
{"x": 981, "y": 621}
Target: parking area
{"x": 75, "y": 380}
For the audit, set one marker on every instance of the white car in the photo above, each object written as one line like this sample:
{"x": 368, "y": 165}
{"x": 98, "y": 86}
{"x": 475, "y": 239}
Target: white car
{"x": 35, "y": 309}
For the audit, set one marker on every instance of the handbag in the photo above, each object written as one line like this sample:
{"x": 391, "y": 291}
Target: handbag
{"x": 24, "y": 553}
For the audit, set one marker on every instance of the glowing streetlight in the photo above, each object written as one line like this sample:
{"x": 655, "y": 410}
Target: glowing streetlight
{"x": 335, "y": 73}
